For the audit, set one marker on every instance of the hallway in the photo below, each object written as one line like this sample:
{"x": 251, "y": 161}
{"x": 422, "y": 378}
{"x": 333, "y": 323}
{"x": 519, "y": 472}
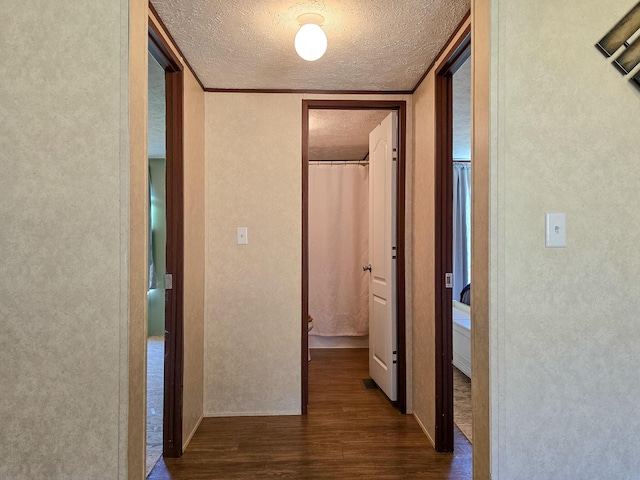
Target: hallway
{"x": 349, "y": 432}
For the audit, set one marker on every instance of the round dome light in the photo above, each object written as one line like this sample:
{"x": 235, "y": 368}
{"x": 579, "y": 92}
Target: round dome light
{"x": 311, "y": 41}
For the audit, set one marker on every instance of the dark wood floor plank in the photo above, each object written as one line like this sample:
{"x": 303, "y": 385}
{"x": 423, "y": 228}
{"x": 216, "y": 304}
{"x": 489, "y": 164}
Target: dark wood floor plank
{"x": 349, "y": 432}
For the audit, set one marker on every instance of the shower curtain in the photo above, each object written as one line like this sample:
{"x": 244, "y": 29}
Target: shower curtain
{"x": 338, "y": 248}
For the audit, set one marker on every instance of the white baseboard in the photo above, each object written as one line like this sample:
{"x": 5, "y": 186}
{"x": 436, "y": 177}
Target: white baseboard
{"x": 251, "y": 414}
{"x": 424, "y": 429}
{"x": 193, "y": 432}
{"x": 317, "y": 341}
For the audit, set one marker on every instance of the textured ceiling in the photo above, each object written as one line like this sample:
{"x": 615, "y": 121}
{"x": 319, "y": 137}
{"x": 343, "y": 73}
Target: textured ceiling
{"x": 380, "y": 45}
{"x": 341, "y": 134}
{"x": 157, "y": 114}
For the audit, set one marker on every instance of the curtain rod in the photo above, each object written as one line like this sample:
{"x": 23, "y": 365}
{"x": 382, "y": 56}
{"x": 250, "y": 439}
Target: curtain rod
{"x": 339, "y": 162}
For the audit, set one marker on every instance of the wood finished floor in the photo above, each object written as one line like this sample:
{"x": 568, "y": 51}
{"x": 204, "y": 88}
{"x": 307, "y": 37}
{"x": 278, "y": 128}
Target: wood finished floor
{"x": 349, "y": 432}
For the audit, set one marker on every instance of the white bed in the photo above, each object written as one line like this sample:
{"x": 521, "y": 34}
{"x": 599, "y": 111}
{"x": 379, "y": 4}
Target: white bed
{"x": 462, "y": 337}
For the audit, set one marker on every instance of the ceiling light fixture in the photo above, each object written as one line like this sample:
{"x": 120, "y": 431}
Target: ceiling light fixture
{"x": 311, "y": 41}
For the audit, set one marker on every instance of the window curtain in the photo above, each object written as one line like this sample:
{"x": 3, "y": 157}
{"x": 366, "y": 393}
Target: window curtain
{"x": 461, "y": 226}
{"x": 152, "y": 269}
{"x": 338, "y": 248}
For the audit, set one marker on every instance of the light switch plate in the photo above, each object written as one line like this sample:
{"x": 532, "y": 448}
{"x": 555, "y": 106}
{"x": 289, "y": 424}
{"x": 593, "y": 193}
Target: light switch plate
{"x": 556, "y": 236}
{"x": 242, "y": 236}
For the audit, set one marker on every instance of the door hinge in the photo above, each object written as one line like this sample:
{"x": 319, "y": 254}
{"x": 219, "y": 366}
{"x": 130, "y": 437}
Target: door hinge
{"x": 394, "y": 251}
{"x": 448, "y": 280}
{"x": 394, "y": 155}
{"x": 168, "y": 281}
{"x": 395, "y": 356}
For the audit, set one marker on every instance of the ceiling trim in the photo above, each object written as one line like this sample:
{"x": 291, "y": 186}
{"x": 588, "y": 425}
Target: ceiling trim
{"x": 174, "y": 44}
{"x": 355, "y": 104}
{"x": 443, "y": 49}
{"x": 320, "y": 92}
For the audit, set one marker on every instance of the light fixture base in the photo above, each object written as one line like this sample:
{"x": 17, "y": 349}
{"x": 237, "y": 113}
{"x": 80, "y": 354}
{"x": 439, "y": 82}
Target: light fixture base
{"x": 312, "y": 18}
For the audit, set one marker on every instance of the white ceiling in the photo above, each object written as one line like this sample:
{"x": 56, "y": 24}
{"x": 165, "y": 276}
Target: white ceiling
{"x": 341, "y": 134}
{"x": 373, "y": 45}
{"x": 381, "y": 45}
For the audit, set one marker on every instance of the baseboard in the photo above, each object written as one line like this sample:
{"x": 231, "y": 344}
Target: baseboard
{"x": 424, "y": 429}
{"x": 193, "y": 432}
{"x": 317, "y": 341}
{"x": 462, "y": 364}
{"x": 251, "y": 414}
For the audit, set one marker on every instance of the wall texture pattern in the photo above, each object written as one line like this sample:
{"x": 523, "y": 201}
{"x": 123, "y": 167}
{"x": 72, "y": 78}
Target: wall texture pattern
{"x": 423, "y": 239}
{"x": 252, "y": 329}
{"x": 62, "y": 278}
{"x": 253, "y": 292}
{"x": 565, "y": 323}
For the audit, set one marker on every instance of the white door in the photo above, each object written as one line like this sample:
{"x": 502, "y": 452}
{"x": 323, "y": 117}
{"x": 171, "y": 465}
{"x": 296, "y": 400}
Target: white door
{"x": 382, "y": 255}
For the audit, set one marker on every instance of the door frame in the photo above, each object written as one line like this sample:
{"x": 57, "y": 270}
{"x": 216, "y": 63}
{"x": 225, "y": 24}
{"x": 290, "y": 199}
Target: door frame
{"x": 443, "y": 253}
{"x": 400, "y": 106}
{"x": 174, "y": 323}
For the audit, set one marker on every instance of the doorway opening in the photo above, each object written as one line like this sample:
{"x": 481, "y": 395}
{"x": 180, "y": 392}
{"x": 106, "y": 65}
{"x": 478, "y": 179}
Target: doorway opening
{"x": 354, "y": 170}
{"x": 338, "y": 226}
{"x": 167, "y": 175}
{"x": 157, "y": 260}
{"x": 461, "y": 320}
{"x": 445, "y": 277}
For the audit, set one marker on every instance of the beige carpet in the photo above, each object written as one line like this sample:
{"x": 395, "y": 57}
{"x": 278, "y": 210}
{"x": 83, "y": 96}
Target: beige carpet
{"x": 155, "y": 399}
{"x": 462, "y": 403}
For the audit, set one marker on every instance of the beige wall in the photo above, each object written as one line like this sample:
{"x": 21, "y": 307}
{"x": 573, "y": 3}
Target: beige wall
{"x": 480, "y": 142}
{"x": 137, "y": 252}
{"x": 564, "y": 322}
{"x": 194, "y": 260}
{"x": 423, "y": 259}
{"x": 423, "y": 249}
{"x": 63, "y": 203}
{"x": 252, "y": 306}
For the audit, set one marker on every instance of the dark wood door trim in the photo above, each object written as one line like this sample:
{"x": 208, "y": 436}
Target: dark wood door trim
{"x": 443, "y": 253}
{"x": 401, "y": 108}
{"x": 174, "y": 322}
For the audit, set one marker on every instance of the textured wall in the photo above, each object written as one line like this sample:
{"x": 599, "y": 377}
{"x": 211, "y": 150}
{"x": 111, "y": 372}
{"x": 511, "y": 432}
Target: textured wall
{"x": 423, "y": 259}
{"x": 565, "y": 323}
{"x": 62, "y": 106}
{"x": 253, "y": 178}
{"x": 252, "y": 307}
{"x": 424, "y": 401}
{"x": 137, "y": 252}
{"x": 462, "y": 112}
{"x": 194, "y": 259}
{"x": 480, "y": 178}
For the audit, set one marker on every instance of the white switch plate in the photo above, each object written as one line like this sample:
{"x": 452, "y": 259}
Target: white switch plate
{"x": 242, "y": 236}
{"x": 556, "y": 236}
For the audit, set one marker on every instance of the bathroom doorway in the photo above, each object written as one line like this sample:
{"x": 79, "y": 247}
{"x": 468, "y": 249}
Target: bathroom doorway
{"x": 336, "y": 258}
{"x": 338, "y": 226}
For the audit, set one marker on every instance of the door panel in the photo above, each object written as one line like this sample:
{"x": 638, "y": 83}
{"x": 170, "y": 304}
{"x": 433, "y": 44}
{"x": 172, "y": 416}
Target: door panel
{"x": 382, "y": 255}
